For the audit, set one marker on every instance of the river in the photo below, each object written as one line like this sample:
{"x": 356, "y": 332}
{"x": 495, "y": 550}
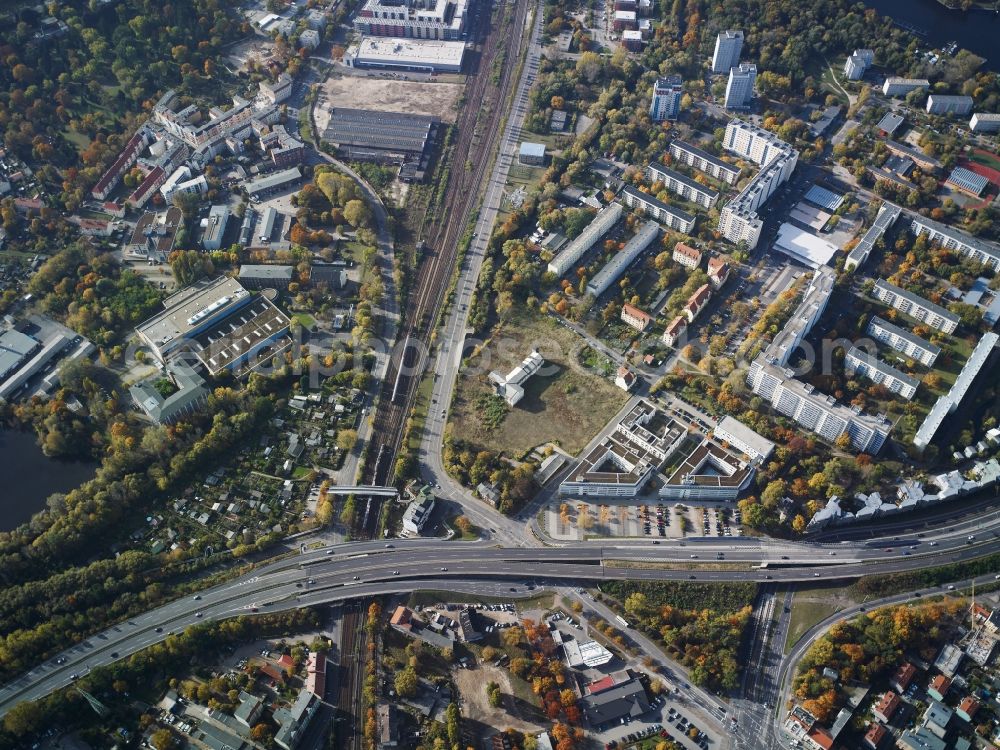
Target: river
{"x": 29, "y": 477}
{"x": 975, "y": 30}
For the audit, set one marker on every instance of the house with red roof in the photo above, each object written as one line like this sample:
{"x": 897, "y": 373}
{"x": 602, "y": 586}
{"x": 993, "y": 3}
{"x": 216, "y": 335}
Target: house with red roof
{"x": 638, "y": 319}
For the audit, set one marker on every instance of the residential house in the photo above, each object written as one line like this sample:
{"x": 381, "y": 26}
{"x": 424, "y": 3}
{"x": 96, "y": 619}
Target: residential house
{"x": 625, "y": 378}
{"x": 886, "y": 707}
{"x": 936, "y": 719}
{"x": 687, "y": 256}
{"x": 902, "y": 677}
{"x": 675, "y": 331}
{"x": 697, "y": 301}
{"x": 967, "y": 708}
{"x": 938, "y": 687}
{"x": 875, "y": 735}
{"x": 718, "y": 272}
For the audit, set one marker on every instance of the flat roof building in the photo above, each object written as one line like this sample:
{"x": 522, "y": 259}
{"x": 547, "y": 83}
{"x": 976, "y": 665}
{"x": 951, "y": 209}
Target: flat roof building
{"x": 984, "y": 122}
{"x": 15, "y": 348}
{"x": 950, "y": 238}
{"x": 215, "y": 227}
{"x": 568, "y": 257}
{"x": 940, "y": 104}
{"x": 802, "y": 246}
{"x": 885, "y": 218}
{"x": 705, "y": 162}
{"x": 627, "y": 699}
{"x": 532, "y": 154}
{"x": 615, "y": 267}
{"x": 427, "y": 55}
{"x": 272, "y": 183}
{"x": 927, "y": 163}
{"x": 673, "y": 217}
{"x": 741, "y": 437}
{"x": 265, "y": 277}
{"x": 419, "y": 19}
{"x": 667, "y": 91}
{"x": 168, "y": 397}
{"x": 681, "y": 185}
{"x": 903, "y": 341}
{"x": 728, "y": 48}
{"x": 384, "y": 137}
{"x": 740, "y": 87}
{"x": 894, "y": 86}
{"x": 710, "y": 472}
{"x": 880, "y": 373}
{"x": 915, "y": 306}
{"x": 857, "y": 63}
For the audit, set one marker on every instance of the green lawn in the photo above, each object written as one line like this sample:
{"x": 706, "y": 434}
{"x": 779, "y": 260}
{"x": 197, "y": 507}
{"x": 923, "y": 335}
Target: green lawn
{"x": 987, "y": 160}
{"x": 305, "y": 320}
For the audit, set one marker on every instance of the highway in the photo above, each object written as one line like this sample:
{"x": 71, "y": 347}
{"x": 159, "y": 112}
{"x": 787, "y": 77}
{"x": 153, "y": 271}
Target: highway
{"x": 360, "y": 569}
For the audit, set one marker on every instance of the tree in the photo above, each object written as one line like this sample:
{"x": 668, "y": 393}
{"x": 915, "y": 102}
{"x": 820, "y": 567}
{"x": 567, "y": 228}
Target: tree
{"x": 588, "y": 65}
{"x": 357, "y": 213}
{"x": 163, "y": 739}
{"x": 843, "y": 441}
{"x": 347, "y": 439}
{"x": 406, "y": 682}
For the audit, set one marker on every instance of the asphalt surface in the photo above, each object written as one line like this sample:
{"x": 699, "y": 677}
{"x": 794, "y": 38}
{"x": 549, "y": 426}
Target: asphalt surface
{"x": 360, "y": 569}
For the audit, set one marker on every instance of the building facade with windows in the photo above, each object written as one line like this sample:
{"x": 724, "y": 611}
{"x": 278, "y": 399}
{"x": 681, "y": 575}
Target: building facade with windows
{"x": 915, "y": 306}
{"x": 728, "y": 48}
{"x": 666, "y": 103}
{"x": 903, "y": 341}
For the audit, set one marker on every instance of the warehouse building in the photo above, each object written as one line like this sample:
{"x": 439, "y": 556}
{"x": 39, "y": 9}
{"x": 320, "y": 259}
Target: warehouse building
{"x": 384, "y": 137}
{"x": 265, "y": 277}
{"x": 803, "y": 247}
{"x": 273, "y": 183}
{"x": 15, "y": 348}
{"x": 423, "y": 55}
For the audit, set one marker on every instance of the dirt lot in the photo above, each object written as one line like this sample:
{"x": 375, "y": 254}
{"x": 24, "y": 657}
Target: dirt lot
{"x": 386, "y": 95}
{"x": 472, "y": 684}
{"x": 562, "y": 404}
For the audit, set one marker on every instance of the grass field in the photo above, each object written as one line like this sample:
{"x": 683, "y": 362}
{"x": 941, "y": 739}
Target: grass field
{"x": 563, "y": 404}
{"x": 986, "y": 159}
{"x": 810, "y": 606}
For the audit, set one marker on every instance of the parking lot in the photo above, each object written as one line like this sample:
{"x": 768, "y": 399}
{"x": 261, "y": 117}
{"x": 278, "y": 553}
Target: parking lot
{"x": 651, "y": 518}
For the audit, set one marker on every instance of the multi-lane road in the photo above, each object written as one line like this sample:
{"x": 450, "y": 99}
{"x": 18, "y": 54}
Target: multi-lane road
{"x": 361, "y": 569}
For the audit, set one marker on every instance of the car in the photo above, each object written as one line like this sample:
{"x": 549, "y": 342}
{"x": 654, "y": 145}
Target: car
{"x": 311, "y": 581}
{"x": 971, "y": 538}
{"x": 329, "y": 551}
{"x": 951, "y": 587}
{"x": 355, "y": 578}
{"x": 932, "y": 544}
{"x": 199, "y": 615}
{"x": 444, "y": 570}
{"x": 254, "y": 609}
{"x": 388, "y": 546}
{"x": 114, "y": 654}
{"x": 815, "y": 575}
{"x": 159, "y": 630}
{"x": 74, "y": 676}
{"x": 395, "y": 572}
{"x": 197, "y": 597}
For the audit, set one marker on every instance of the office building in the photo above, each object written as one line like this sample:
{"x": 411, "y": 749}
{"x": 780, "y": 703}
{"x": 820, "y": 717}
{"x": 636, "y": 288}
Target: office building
{"x": 710, "y": 472}
{"x": 422, "y": 55}
{"x": 858, "y": 63}
{"x": 672, "y": 217}
{"x": 739, "y": 89}
{"x": 966, "y": 181}
{"x": 666, "y": 103}
{"x": 686, "y": 256}
{"x": 894, "y": 86}
{"x": 728, "y": 48}
{"x": 696, "y": 158}
{"x": 947, "y": 403}
{"x": 915, "y": 306}
{"x": 903, "y": 341}
{"x": 442, "y": 20}
{"x": 984, "y": 122}
{"x": 215, "y": 227}
{"x": 679, "y": 184}
{"x": 622, "y": 463}
{"x": 185, "y": 394}
{"x": 940, "y": 104}
{"x": 877, "y": 371}
{"x": 885, "y": 218}
{"x": 949, "y": 238}
{"x": 739, "y": 436}
{"x": 570, "y": 255}
{"x": 219, "y": 322}
{"x": 620, "y": 261}
{"x": 265, "y": 277}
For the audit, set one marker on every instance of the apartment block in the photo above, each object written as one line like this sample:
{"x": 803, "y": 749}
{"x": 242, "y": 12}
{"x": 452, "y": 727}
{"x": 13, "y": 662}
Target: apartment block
{"x": 949, "y": 238}
{"x": 880, "y": 373}
{"x": 939, "y": 104}
{"x": 674, "y": 218}
{"x": 666, "y": 103}
{"x": 903, "y": 341}
{"x": 857, "y": 63}
{"x": 686, "y": 255}
{"x": 728, "y": 47}
{"x": 915, "y": 306}
{"x": 894, "y": 86}
{"x": 615, "y": 267}
{"x": 740, "y": 87}
{"x": 674, "y": 333}
{"x": 412, "y": 19}
{"x": 682, "y": 185}
{"x": 984, "y": 122}
{"x": 568, "y": 257}
{"x": 703, "y": 161}
{"x": 886, "y": 217}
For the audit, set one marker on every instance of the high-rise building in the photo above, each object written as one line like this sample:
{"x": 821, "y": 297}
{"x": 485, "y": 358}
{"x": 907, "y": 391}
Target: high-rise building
{"x": 739, "y": 90}
{"x": 666, "y": 103}
{"x": 728, "y": 46}
{"x": 857, "y": 63}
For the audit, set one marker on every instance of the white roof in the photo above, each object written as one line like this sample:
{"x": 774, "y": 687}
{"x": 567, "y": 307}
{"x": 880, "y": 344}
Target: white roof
{"x": 395, "y": 50}
{"x": 589, "y": 653}
{"x": 804, "y": 247}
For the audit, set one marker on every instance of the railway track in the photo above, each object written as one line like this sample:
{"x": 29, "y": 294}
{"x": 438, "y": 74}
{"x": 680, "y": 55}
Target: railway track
{"x": 350, "y": 725}
{"x": 485, "y": 92}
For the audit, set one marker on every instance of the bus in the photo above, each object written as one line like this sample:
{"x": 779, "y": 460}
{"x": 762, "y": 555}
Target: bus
{"x": 622, "y": 621}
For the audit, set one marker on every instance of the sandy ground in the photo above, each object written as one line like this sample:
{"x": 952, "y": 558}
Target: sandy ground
{"x": 471, "y": 685}
{"x": 386, "y": 95}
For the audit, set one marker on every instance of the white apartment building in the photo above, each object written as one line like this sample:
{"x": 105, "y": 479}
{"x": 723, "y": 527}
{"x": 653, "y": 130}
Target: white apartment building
{"x": 939, "y": 104}
{"x": 894, "y": 86}
{"x": 443, "y": 20}
{"x": 681, "y": 185}
{"x": 705, "y": 162}
{"x": 949, "y": 238}
{"x": 741, "y": 437}
{"x": 857, "y": 63}
{"x": 903, "y": 341}
{"x": 877, "y": 371}
{"x": 568, "y": 257}
{"x": 886, "y": 217}
{"x": 622, "y": 260}
{"x": 915, "y": 306}
{"x": 666, "y": 103}
{"x": 739, "y": 89}
{"x": 984, "y": 122}
{"x": 278, "y": 91}
{"x": 672, "y": 217}
{"x": 687, "y": 256}
{"x": 728, "y": 47}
